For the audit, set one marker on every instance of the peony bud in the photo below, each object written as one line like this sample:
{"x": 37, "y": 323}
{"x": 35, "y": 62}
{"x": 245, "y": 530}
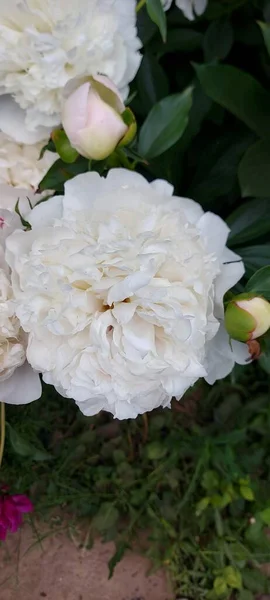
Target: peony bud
{"x": 92, "y": 117}
{"x": 247, "y": 318}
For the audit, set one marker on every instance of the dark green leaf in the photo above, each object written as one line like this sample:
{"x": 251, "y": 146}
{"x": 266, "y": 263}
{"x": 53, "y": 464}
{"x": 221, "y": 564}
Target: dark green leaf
{"x": 181, "y": 40}
{"x": 152, "y": 82}
{"x": 249, "y": 221}
{"x": 118, "y": 555}
{"x": 24, "y": 448}
{"x": 60, "y": 172}
{"x": 157, "y": 15}
{"x": 239, "y": 93}
{"x": 255, "y": 581}
{"x": 254, "y": 171}
{"x": 218, "y": 40}
{"x": 165, "y": 124}
{"x": 106, "y": 517}
{"x": 265, "y": 29}
{"x": 216, "y": 174}
{"x": 254, "y": 257}
{"x": 259, "y": 283}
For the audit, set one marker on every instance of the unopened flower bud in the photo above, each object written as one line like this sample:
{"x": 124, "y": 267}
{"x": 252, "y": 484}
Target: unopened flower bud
{"x": 93, "y": 116}
{"x": 247, "y": 318}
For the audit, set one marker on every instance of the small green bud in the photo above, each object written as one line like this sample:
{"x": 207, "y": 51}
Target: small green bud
{"x": 247, "y": 317}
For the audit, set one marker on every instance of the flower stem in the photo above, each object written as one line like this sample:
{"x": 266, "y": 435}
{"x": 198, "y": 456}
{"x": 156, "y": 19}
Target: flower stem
{"x": 2, "y": 430}
{"x": 140, "y": 5}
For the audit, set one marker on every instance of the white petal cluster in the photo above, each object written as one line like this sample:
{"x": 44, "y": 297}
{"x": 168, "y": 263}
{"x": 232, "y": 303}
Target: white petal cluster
{"x": 45, "y": 43}
{"x": 120, "y": 288}
{"x": 20, "y": 165}
{"x": 18, "y": 382}
{"x": 190, "y": 8}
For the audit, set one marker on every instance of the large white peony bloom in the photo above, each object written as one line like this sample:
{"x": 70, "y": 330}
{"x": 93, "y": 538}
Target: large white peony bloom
{"x": 120, "y": 287}
{"x": 45, "y": 43}
{"x": 190, "y": 8}
{"x": 18, "y": 382}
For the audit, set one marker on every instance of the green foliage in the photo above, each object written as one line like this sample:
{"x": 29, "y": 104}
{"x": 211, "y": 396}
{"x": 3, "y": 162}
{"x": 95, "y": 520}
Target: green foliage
{"x": 259, "y": 283}
{"x": 157, "y": 15}
{"x": 165, "y": 124}
{"x": 196, "y": 478}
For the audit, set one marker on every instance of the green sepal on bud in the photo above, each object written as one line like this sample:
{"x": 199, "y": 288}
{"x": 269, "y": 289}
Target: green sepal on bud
{"x": 63, "y": 146}
{"x": 130, "y": 121}
{"x": 247, "y": 317}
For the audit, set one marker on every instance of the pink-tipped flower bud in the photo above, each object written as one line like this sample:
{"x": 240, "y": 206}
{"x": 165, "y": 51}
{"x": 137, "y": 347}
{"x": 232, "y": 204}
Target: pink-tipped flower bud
{"x": 92, "y": 116}
{"x": 247, "y": 318}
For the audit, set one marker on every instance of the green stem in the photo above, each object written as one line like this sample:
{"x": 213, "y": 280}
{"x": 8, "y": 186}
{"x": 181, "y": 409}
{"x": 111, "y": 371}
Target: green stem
{"x": 2, "y": 431}
{"x": 140, "y": 5}
{"x": 123, "y": 159}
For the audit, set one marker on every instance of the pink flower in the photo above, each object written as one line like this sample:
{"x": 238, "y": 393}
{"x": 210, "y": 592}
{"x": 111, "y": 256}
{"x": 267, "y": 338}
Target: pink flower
{"x": 11, "y": 509}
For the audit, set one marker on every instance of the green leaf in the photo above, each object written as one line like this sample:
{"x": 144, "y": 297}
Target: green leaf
{"x": 152, "y": 82}
{"x": 157, "y": 15}
{"x": 220, "y": 586}
{"x": 210, "y": 480}
{"x": 259, "y": 283}
{"x": 202, "y": 505}
{"x": 249, "y": 221}
{"x": 60, "y": 172}
{"x": 245, "y": 595}
{"x": 255, "y": 581}
{"x": 265, "y": 29}
{"x": 165, "y": 124}
{"x": 106, "y": 517}
{"x": 63, "y": 146}
{"x": 218, "y": 40}
{"x": 254, "y": 171}
{"x": 254, "y": 257}
{"x": 265, "y": 516}
{"x": 246, "y": 493}
{"x": 239, "y": 93}
{"x": 118, "y": 555}
{"x": 24, "y": 448}
{"x": 216, "y": 172}
{"x": 181, "y": 40}
{"x": 156, "y": 450}
{"x": 233, "y": 578}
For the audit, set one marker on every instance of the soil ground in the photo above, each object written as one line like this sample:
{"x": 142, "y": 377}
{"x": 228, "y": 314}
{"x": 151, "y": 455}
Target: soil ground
{"x": 55, "y": 568}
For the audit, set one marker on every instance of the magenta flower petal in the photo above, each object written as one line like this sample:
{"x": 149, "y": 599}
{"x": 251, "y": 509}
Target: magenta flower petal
{"x": 23, "y": 504}
{"x": 3, "y": 533}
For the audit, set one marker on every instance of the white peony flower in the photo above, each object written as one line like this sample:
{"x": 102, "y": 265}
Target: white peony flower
{"x": 190, "y": 8}
{"x": 18, "y": 382}
{"x": 20, "y": 165}
{"x": 120, "y": 288}
{"x": 45, "y": 43}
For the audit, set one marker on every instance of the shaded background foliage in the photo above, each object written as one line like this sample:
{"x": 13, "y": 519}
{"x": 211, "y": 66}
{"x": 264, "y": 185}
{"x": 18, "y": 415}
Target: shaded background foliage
{"x": 195, "y": 478}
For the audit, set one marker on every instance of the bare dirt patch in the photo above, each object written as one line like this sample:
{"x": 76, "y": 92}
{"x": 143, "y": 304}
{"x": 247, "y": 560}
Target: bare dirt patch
{"x": 56, "y": 569}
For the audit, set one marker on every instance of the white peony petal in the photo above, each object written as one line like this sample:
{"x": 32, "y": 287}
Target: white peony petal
{"x": 229, "y": 276}
{"x": 81, "y": 192}
{"x": 222, "y": 355}
{"x": 22, "y": 387}
{"x": 12, "y": 123}
{"x": 215, "y": 232}
{"x": 46, "y": 212}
